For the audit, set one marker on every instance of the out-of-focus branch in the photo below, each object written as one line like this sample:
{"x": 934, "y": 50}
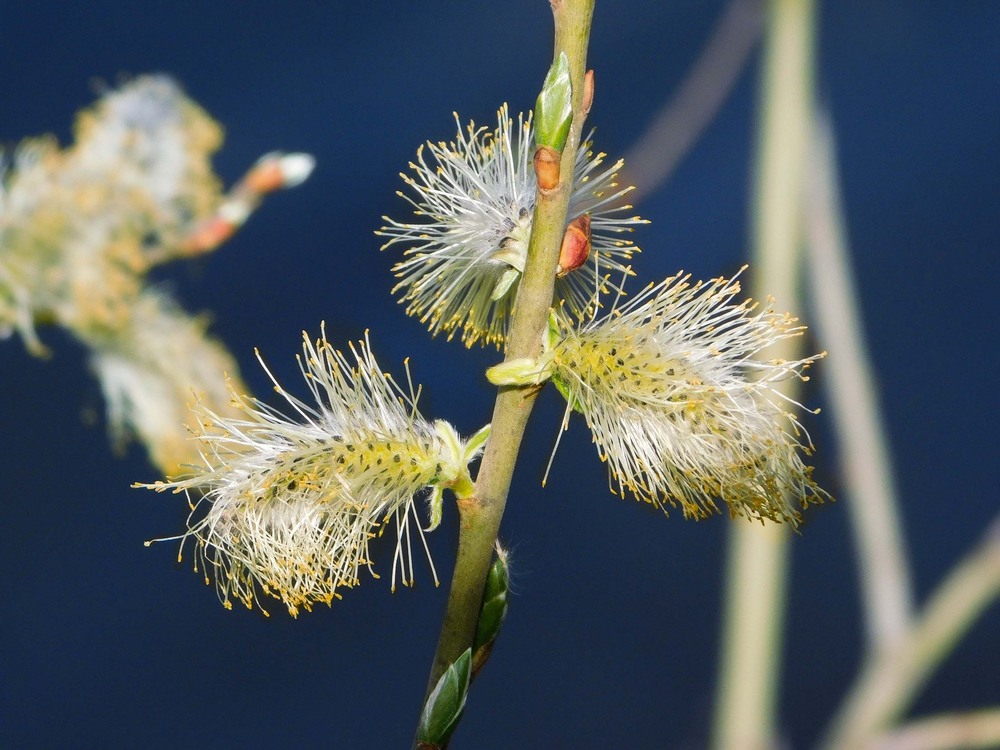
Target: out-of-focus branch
{"x": 892, "y": 678}
{"x": 481, "y": 514}
{"x": 681, "y": 121}
{"x": 81, "y": 227}
{"x": 849, "y": 380}
{"x": 272, "y": 172}
{"x": 957, "y": 731}
{"x": 757, "y": 569}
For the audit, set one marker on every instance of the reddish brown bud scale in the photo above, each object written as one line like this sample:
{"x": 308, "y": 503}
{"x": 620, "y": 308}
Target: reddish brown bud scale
{"x": 547, "y": 167}
{"x": 265, "y": 177}
{"x": 208, "y": 235}
{"x": 588, "y": 91}
{"x": 575, "y": 245}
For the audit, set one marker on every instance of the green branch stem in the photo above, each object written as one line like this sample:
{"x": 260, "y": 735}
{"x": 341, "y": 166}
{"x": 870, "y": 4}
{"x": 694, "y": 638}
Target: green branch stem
{"x": 481, "y": 513}
{"x": 757, "y": 565}
{"x": 892, "y": 678}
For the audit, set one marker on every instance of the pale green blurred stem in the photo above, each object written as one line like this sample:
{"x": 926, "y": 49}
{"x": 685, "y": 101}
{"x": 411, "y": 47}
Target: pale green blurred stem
{"x": 849, "y": 379}
{"x": 481, "y": 514}
{"x": 959, "y": 731}
{"x": 756, "y": 576}
{"x": 892, "y": 678}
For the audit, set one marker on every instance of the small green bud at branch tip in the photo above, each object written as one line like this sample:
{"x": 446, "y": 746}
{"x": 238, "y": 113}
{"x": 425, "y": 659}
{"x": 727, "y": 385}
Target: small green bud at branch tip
{"x": 554, "y": 108}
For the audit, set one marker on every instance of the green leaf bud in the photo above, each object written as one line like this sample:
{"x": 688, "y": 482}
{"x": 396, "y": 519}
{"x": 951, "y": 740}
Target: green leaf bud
{"x": 445, "y": 705}
{"x": 493, "y": 612}
{"x": 554, "y": 108}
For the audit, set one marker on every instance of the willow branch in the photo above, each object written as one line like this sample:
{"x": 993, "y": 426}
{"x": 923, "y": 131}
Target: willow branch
{"x": 481, "y": 515}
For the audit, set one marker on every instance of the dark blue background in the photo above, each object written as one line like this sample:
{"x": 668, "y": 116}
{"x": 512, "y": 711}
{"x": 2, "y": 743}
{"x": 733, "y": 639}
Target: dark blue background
{"x": 612, "y": 634}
